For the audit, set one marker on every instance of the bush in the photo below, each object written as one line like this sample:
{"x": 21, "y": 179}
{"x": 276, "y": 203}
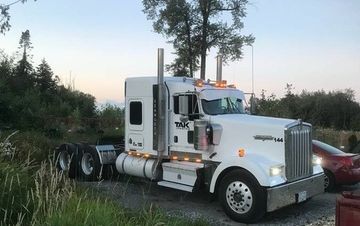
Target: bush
{"x": 353, "y": 141}
{"x": 32, "y": 146}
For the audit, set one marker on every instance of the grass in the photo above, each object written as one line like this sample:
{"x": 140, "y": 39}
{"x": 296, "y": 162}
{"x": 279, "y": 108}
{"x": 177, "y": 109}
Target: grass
{"x": 85, "y": 210}
{"x": 34, "y": 192}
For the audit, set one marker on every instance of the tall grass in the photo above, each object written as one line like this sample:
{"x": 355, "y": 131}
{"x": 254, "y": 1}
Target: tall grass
{"x": 28, "y": 192}
{"x": 34, "y": 192}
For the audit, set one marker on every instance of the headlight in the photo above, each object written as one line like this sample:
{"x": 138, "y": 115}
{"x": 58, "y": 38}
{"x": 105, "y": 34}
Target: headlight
{"x": 316, "y": 160}
{"x": 276, "y": 170}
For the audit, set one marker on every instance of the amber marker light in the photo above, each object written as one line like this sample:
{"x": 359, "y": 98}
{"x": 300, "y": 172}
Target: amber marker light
{"x": 186, "y": 159}
{"x": 217, "y": 84}
{"x": 241, "y": 152}
{"x": 223, "y": 84}
{"x": 174, "y": 157}
{"x": 199, "y": 83}
{"x": 137, "y": 154}
{"x": 146, "y": 155}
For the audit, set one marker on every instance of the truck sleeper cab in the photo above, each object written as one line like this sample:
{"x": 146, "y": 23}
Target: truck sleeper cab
{"x": 254, "y": 164}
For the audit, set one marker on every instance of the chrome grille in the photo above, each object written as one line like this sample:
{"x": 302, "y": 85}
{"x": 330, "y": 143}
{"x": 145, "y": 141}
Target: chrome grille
{"x": 298, "y": 152}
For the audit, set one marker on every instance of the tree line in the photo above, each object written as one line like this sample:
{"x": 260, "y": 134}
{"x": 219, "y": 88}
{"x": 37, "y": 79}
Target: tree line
{"x": 32, "y": 96}
{"x": 334, "y": 109}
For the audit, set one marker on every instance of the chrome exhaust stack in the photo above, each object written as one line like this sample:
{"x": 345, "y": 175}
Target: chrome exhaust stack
{"x": 161, "y": 129}
{"x": 160, "y": 125}
{"x": 219, "y": 68}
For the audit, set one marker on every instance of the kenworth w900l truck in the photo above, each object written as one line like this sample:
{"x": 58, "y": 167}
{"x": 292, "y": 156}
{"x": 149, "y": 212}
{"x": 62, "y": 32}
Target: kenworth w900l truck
{"x": 187, "y": 133}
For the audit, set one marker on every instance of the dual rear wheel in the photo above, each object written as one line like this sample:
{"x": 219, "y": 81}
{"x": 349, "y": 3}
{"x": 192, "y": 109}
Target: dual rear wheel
{"x": 81, "y": 161}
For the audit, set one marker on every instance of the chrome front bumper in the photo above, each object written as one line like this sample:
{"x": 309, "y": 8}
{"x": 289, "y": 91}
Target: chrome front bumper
{"x": 289, "y": 193}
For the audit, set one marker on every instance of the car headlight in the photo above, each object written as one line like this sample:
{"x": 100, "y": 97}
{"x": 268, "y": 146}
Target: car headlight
{"x": 316, "y": 160}
{"x": 276, "y": 170}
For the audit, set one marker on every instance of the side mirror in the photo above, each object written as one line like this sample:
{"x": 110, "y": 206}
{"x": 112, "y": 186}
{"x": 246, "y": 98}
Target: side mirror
{"x": 184, "y": 105}
{"x": 184, "y": 118}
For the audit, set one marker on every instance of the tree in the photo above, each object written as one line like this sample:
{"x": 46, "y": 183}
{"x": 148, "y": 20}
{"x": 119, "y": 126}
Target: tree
{"x": 5, "y": 16}
{"x": 196, "y": 27}
{"x": 44, "y": 77}
{"x": 24, "y": 66}
{"x": 24, "y": 77}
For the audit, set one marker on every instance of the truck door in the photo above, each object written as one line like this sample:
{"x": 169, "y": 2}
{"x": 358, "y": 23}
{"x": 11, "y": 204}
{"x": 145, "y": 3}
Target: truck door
{"x": 182, "y": 126}
{"x": 135, "y": 125}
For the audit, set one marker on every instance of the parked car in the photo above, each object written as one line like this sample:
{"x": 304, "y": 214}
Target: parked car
{"x": 340, "y": 168}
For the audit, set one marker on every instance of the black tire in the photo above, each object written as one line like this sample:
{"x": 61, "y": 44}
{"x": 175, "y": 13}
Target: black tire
{"x": 242, "y": 197}
{"x": 329, "y": 181}
{"x": 65, "y": 159}
{"x": 90, "y": 168}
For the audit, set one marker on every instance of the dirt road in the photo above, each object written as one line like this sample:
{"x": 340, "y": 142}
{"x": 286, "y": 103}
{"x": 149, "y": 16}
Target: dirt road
{"x": 138, "y": 193}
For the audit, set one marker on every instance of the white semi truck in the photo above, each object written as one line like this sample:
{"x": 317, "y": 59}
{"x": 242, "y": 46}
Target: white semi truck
{"x": 186, "y": 133}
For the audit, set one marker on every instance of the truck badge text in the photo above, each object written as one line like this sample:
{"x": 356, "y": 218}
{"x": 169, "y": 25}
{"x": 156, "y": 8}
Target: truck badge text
{"x": 182, "y": 125}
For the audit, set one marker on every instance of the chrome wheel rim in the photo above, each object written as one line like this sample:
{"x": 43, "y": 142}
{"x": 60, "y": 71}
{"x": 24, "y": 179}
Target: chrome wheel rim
{"x": 87, "y": 163}
{"x": 326, "y": 181}
{"x": 64, "y": 160}
{"x": 239, "y": 197}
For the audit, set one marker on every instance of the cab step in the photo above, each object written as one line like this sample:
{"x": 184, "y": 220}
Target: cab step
{"x": 180, "y": 175}
{"x": 177, "y": 186}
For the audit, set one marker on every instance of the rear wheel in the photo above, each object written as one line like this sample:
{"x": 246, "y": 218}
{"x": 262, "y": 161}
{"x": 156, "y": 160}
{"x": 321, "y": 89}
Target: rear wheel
{"x": 65, "y": 159}
{"x": 241, "y": 197}
{"x": 90, "y": 168}
{"x": 329, "y": 181}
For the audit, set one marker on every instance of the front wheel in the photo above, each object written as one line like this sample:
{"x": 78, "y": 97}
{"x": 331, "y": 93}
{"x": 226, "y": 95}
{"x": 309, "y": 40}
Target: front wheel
{"x": 241, "y": 197}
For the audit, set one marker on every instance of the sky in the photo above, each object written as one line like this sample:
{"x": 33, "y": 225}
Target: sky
{"x": 312, "y": 44}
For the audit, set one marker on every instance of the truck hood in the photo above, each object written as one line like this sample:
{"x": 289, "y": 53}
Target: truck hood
{"x": 241, "y": 131}
{"x": 246, "y": 120}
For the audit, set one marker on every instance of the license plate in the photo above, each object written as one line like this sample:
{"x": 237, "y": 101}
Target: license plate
{"x": 301, "y": 196}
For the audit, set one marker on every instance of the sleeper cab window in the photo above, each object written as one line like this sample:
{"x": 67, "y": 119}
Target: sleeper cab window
{"x": 136, "y": 113}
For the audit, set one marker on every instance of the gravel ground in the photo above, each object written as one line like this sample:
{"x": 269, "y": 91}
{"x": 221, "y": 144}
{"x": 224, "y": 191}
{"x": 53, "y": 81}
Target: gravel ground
{"x": 320, "y": 210}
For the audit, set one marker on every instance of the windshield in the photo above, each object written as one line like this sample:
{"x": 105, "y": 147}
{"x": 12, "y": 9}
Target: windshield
{"x": 226, "y": 105}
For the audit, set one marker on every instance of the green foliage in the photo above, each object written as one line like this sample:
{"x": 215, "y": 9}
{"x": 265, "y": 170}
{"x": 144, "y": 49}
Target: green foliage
{"x": 111, "y": 116}
{"x": 5, "y": 16}
{"x": 336, "y": 109}
{"x": 195, "y": 27}
{"x": 15, "y": 184}
{"x": 34, "y": 99}
{"x": 353, "y": 141}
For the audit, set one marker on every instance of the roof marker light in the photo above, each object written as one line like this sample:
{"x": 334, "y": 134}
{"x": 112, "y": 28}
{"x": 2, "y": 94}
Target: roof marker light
{"x": 199, "y": 83}
{"x": 221, "y": 84}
